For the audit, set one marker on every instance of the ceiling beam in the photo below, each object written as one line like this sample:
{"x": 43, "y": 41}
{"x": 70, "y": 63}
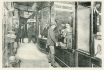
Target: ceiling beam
{"x": 29, "y": 4}
{"x": 24, "y": 10}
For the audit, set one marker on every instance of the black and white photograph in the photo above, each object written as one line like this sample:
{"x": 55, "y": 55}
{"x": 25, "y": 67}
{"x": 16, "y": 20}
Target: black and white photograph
{"x": 51, "y": 34}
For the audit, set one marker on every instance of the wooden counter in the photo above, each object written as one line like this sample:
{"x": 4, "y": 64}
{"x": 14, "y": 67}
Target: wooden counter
{"x": 72, "y": 58}
{"x": 63, "y": 56}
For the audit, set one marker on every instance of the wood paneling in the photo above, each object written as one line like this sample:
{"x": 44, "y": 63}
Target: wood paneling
{"x": 97, "y": 62}
{"x": 70, "y": 58}
{"x": 65, "y": 56}
{"x": 84, "y": 60}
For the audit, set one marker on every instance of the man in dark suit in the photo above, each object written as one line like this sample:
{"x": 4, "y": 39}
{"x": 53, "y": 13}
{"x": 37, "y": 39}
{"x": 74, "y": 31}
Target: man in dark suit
{"x": 51, "y": 42}
{"x": 30, "y": 33}
{"x": 22, "y": 32}
{"x": 45, "y": 31}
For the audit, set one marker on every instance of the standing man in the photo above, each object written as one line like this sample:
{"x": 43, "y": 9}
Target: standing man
{"x": 30, "y": 33}
{"x": 51, "y": 42}
{"x": 22, "y": 33}
{"x": 34, "y": 33}
{"x": 45, "y": 31}
{"x": 17, "y": 30}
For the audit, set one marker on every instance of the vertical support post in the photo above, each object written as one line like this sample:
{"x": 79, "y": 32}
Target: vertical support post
{"x": 37, "y": 22}
{"x": 39, "y": 26}
{"x": 91, "y": 32}
{"x": 75, "y": 36}
{"x": 50, "y": 12}
{"x": 74, "y": 39}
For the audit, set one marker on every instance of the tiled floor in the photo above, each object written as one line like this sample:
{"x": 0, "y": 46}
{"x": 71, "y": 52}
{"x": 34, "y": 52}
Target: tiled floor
{"x": 31, "y": 57}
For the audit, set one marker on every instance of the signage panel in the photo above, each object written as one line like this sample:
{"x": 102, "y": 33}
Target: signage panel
{"x": 64, "y": 7}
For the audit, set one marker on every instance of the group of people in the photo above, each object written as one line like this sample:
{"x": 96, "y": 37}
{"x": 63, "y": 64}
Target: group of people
{"x": 31, "y": 32}
{"x": 66, "y": 36}
{"x": 63, "y": 35}
{"x": 21, "y": 33}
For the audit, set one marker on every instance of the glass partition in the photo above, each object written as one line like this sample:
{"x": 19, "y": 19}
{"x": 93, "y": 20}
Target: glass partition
{"x": 44, "y": 21}
{"x": 83, "y": 28}
{"x": 64, "y": 17}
